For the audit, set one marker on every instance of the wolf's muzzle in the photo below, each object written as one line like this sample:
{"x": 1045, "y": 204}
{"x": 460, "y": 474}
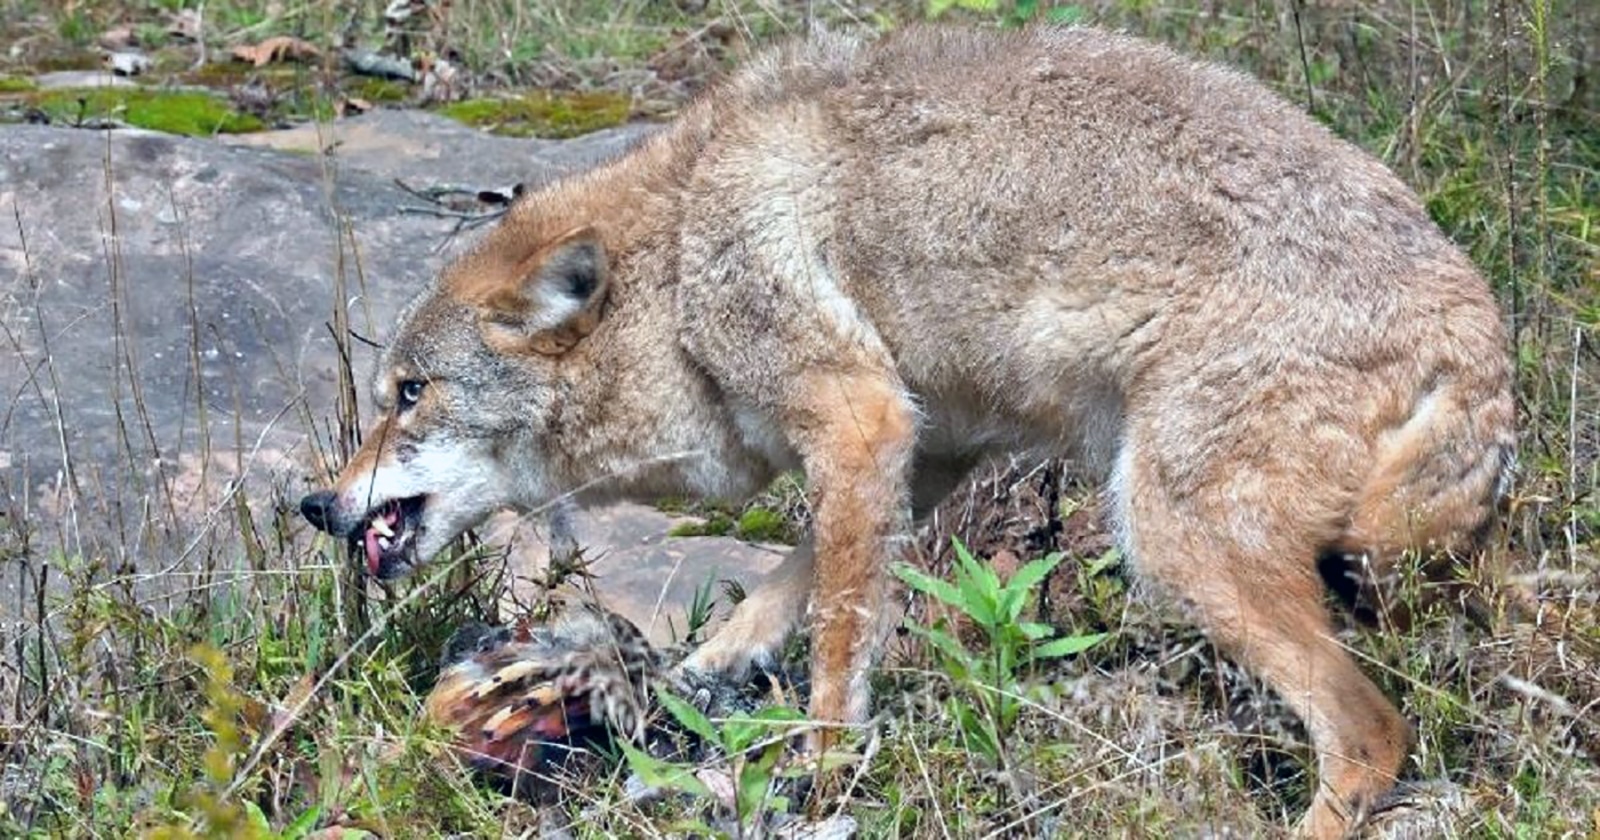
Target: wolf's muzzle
{"x": 317, "y": 508}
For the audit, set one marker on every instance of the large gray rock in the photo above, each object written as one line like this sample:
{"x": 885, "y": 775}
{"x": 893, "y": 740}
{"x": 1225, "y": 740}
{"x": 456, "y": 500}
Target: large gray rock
{"x": 128, "y": 253}
{"x": 165, "y": 312}
{"x": 419, "y": 146}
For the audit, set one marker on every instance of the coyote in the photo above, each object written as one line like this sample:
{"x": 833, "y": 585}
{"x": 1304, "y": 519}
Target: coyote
{"x": 881, "y": 262}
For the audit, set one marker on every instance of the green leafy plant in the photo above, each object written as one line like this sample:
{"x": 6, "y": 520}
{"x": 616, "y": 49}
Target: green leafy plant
{"x": 754, "y": 747}
{"x": 1013, "y": 15}
{"x": 717, "y": 524}
{"x": 213, "y": 812}
{"x": 990, "y": 680}
{"x": 1028, "y": 10}
{"x": 300, "y": 828}
{"x": 939, "y": 7}
{"x": 698, "y": 616}
{"x": 755, "y": 524}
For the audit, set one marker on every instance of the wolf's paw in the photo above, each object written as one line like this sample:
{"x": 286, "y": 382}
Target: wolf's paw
{"x": 752, "y": 639}
{"x": 729, "y": 658}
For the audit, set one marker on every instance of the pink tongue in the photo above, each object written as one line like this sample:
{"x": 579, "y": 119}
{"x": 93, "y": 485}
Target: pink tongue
{"x": 374, "y": 555}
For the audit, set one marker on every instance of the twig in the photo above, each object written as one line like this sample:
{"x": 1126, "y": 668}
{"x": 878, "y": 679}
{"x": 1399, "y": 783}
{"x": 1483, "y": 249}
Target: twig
{"x": 444, "y": 213}
{"x": 200, "y": 34}
{"x": 1513, "y": 217}
{"x": 1305, "y": 63}
{"x": 363, "y": 339}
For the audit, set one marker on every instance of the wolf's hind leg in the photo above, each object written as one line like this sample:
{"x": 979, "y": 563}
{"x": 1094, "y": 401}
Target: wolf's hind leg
{"x": 1263, "y": 605}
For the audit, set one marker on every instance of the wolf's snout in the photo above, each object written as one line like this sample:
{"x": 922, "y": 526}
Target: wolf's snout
{"x": 317, "y": 508}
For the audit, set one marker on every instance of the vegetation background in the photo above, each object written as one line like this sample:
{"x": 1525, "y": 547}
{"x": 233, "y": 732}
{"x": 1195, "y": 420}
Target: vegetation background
{"x": 274, "y": 697}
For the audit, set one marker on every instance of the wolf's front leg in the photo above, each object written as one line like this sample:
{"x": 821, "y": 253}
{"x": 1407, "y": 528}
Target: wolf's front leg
{"x": 855, "y": 432}
{"x": 770, "y": 319}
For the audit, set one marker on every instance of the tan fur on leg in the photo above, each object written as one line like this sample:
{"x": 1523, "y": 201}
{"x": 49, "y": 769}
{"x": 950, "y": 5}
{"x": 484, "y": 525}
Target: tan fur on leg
{"x": 762, "y": 622}
{"x": 857, "y": 443}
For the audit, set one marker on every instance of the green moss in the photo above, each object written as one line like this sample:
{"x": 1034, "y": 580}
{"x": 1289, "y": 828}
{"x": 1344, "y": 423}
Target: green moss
{"x": 227, "y": 73}
{"x": 16, "y": 84}
{"x": 674, "y": 504}
{"x": 167, "y": 61}
{"x": 218, "y": 73}
{"x": 76, "y": 28}
{"x": 759, "y": 524}
{"x": 150, "y": 34}
{"x": 716, "y": 526}
{"x": 379, "y": 90}
{"x": 174, "y": 112}
{"x": 480, "y": 112}
{"x": 542, "y": 113}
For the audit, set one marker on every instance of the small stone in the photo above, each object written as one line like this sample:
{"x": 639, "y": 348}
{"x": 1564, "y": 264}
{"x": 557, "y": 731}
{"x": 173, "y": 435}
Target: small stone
{"x": 837, "y": 827}
{"x": 128, "y": 63}
{"x": 636, "y": 791}
{"x": 79, "y": 79}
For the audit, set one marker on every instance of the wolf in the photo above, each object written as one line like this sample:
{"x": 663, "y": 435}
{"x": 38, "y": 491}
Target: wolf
{"x": 881, "y": 261}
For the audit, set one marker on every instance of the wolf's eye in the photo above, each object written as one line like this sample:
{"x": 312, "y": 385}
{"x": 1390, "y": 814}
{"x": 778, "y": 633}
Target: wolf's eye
{"x": 410, "y": 393}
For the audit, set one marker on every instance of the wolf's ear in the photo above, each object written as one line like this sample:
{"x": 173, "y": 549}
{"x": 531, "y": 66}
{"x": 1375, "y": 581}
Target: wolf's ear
{"x": 559, "y": 299}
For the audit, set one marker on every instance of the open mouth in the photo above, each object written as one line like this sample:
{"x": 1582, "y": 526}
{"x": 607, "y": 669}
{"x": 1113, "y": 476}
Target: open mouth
{"x": 389, "y": 542}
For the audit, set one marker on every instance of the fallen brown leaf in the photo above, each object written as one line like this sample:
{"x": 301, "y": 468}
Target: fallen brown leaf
{"x": 340, "y": 832}
{"x": 293, "y": 702}
{"x": 117, "y": 38}
{"x": 277, "y": 48}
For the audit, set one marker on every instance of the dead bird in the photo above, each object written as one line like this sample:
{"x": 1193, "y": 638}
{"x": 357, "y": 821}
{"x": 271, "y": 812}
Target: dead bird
{"x": 526, "y": 699}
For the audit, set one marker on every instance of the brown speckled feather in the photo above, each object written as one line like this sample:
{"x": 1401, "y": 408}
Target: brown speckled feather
{"x": 520, "y": 702}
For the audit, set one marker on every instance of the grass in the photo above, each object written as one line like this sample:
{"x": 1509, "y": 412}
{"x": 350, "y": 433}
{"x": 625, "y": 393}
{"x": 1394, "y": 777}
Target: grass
{"x": 263, "y": 678}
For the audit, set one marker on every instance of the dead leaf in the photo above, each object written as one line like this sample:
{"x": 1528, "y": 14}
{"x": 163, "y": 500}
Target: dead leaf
{"x": 116, "y": 38}
{"x": 255, "y": 715}
{"x": 293, "y": 702}
{"x": 278, "y": 48}
{"x": 340, "y": 832}
{"x": 719, "y": 783}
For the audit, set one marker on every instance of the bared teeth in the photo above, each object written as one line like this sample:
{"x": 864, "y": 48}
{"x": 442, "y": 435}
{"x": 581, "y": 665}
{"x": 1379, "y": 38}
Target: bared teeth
{"x": 381, "y": 525}
{"x": 383, "y": 542}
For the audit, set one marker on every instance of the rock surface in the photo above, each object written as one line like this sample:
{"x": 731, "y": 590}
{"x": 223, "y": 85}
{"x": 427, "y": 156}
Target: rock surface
{"x": 81, "y": 79}
{"x": 165, "y": 322}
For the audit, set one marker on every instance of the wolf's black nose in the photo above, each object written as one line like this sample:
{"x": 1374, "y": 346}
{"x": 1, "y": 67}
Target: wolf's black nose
{"x": 317, "y": 508}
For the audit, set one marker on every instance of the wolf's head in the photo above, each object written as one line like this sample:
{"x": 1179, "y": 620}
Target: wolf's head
{"x": 468, "y": 390}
